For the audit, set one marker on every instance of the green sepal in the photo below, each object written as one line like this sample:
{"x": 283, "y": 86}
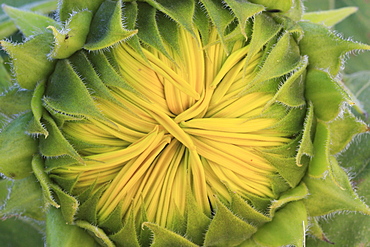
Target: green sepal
{"x": 106, "y": 27}
{"x": 68, "y": 204}
{"x": 295, "y": 194}
{"x": 31, "y": 23}
{"x": 202, "y": 23}
{"x": 220, "y": 17}
{"x": 88, "y": 210}
{"x": 72, "y": 37}
{"x": 325, "y": 93}
{"x": 127, "y": 235}
{"x": 306, "y": 145}
{"x": 66, "y": 7}
{"x": 98, "y": 234}
{"x": 35, "y": 126}
{"x": 244, "y": 10}
{"x": 286, "y": 228}
{"x": 246, "y": 212}
{"x": 283, "y": 58}
{"x": 55, "y": 144}
{"x": 83, "y": 67}
{"x": 292, "y": 122}
{"x": 332, "y": 193}
{"x": 264, "y": 29}
{"x": 197, "y": 221}
{"x": 67, "y": 94}
{"x": 316, "y": 230}
{"x": 17, "y": 148}
{"x": 182, "y": 12}
{"x": 60, "y": 234}
{"x": 291, "y": 93}
{"x": 165, "y": 237}
{"x": 52, "y": 163}
{"x": 130, "y": 12}
{"x": 320, "y": 162}
{"x": 226, "y": 229}
{"x": 114, "y": 222}
{"x": 66, "y": 183}
{"x": 343, "y": 129}
{"x": 329, "y": 17}
{"x": 282, "y": 5}
{"x": 24, "y": 199}
{"x": 12, "y": 95}
{"x": 108, "y": 73}
{"x": 330, "y": 53}
{"x": 31, "y": 53}
{"x": 287, "y": 168}
{"x": 44, "y": 180}
{"x": 169, "y": 31}
{"x": 148, "y": 26}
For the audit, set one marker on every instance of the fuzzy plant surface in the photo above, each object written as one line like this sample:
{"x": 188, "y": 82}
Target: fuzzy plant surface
{"x": 178, "y": 123}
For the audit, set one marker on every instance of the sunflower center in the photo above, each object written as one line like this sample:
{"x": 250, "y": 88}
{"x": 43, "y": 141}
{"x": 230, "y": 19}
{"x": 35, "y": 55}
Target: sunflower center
{"x": 189, "y": 124}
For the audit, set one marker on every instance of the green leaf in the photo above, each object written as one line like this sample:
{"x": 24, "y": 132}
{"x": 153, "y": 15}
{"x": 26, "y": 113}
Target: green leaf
{"x": 18, "y": 232}
{"x": 359, "y": 85}
{"x": 7, "y": 26}
{"x": 60, "y": 234}
{"x": 330, "y": 17}
{"x": 31, "y": 23}
{"x": 17, "y": 148}
{"x": 333, "y": 193}
{"x": 24, "y": 199}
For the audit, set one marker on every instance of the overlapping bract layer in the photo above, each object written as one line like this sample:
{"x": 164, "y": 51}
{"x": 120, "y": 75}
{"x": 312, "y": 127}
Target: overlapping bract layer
{"x": 188, "y": 110}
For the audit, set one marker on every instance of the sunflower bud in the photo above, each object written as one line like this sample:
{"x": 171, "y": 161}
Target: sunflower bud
{"x": 212, "y": 123}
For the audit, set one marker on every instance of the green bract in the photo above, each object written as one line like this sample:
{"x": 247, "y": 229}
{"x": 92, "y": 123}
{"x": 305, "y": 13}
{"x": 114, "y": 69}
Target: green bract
{"x": 177, "y": 123}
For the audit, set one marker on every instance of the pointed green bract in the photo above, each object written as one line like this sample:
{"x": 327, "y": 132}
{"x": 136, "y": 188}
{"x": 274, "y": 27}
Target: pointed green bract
{"x": 165, "y": 237}
{"x": 107, "y": 18}
{"x": 225, "y": 224}
{"x": 72, "y": 37}
{"x": 33, "y": 52}
{"x": 330, "y": 17}
{"x": 244, "y": 10}
{"x": 330, "y": 54}
{"x": 31, "y": 23}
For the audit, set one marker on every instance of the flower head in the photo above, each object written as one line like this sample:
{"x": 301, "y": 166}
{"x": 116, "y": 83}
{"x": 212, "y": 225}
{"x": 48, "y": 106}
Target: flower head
{"x": 186, "y": 118}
